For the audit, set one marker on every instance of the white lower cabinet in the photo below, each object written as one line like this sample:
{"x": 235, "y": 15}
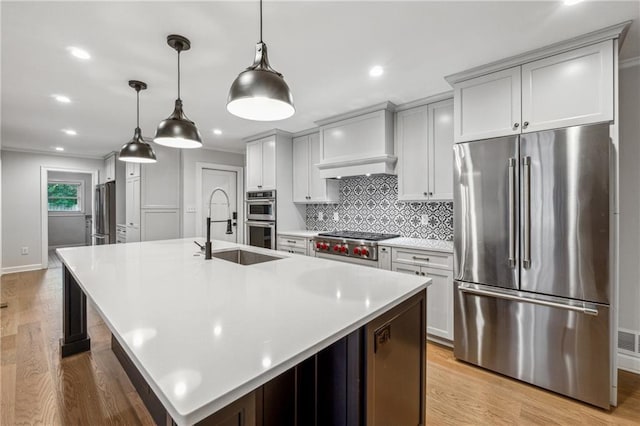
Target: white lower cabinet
{"x": 295, "y": 244}
{"x": 437, "y": 266}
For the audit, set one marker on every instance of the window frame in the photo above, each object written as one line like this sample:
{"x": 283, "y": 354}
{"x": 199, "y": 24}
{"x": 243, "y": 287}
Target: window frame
{"x": 80, "y": 197}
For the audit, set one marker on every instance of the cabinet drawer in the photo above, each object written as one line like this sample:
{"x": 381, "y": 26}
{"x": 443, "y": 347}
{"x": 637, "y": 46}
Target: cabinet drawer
{"x": 287, "y": 241}
{"x": 294, "y": 250}
{"x": 423, "y": 258}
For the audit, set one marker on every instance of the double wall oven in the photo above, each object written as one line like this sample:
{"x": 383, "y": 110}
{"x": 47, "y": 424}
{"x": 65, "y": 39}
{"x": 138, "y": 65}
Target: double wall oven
{"x": 260, "y": 227}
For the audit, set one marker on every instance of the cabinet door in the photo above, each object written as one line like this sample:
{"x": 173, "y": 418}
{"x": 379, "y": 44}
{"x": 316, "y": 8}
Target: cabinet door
{"x": 487, "y": 106}
{"x": 569, "y": 89}
{"x": 441, "y": 150}
{"x": 254, "y": 166}
{"x": 133, "y": 169}
{"x": 301, "y": 169}
{"x": 412, "y": 128}
{"x": 269, "y": 163}
{"x": 384, "y": 258}
{"x": 440, "y": 303}
{"x": 110, "y": 168}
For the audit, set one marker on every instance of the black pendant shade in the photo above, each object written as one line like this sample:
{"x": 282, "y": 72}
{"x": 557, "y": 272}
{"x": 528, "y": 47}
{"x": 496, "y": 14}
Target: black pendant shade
{"x": 177, "y": 131}
{"x": 260, "y": 92}
{"x": 137, "y": 150}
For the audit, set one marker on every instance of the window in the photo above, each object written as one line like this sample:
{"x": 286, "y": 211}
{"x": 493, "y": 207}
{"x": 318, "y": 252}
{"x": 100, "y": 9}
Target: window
{"x": 65, "y": 196}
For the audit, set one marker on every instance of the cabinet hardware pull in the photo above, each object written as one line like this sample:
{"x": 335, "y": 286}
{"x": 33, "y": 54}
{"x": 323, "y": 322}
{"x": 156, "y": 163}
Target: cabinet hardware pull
{"x": 417, "y": 273}
{"x": 423, "y": 274}
{"x": 430, "y": 193}
{"x": 291, "y": 241}
{"x": 426, "y": 259}
{"x": 525, "y": 124}
{"x": 516, "y": 125}
{"x": 425, "y": 194}
{"x": 382, "y": 336}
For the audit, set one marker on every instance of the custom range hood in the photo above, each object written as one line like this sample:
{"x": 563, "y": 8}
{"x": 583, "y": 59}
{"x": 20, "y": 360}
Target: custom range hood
{"x": 357, "y": 143}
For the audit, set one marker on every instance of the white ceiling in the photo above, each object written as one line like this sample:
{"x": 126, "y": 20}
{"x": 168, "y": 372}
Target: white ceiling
{"x": 324, "y": 49}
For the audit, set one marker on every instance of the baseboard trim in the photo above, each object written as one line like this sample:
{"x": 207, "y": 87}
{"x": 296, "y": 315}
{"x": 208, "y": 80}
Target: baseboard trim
{"x": 629, "y": 363}
{"x": 22, "y": 268}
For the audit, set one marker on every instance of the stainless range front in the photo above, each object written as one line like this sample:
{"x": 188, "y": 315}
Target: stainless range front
{"x": 349, "y": 245}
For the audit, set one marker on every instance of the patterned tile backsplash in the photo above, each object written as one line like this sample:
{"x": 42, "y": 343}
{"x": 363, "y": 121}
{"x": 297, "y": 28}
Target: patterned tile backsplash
{"x": 371, "y": 204}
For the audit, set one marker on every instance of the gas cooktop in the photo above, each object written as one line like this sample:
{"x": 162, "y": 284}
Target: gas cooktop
{"x": 356, "y": 235}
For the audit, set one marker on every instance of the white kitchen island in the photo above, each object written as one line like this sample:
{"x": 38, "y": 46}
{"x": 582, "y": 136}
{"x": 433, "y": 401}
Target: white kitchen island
{"x": 205, "y": 333}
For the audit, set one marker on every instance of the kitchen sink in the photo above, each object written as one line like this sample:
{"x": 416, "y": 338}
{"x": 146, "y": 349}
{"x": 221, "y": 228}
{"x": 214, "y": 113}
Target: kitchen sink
{"x": 243, "y": 257}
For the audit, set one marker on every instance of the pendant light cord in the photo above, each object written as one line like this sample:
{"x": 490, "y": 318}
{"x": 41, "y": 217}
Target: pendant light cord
{"x": 178, "y": 74}
{"x": 137, "y": 107}
{"x": 260, "y": 21}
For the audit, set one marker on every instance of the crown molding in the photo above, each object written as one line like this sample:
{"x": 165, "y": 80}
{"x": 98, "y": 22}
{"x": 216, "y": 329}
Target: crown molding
{"x": 630, "y": 62}
{"x": 608, "y": 33}
{"x": 271, "y": 132}
{"x": 54, "y": 154}
{"x": 425, "y": 101}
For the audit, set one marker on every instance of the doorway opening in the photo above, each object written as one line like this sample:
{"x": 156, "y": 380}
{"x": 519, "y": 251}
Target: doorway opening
{"x": 67, "y": 210}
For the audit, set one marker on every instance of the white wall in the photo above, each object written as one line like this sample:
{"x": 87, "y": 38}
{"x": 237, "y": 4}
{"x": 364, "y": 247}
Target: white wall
{"x": 21, "y": 209}
{"x": 68, "y": 228}
{"x": 189, "y": 159}
{"x": 629, "y": 317}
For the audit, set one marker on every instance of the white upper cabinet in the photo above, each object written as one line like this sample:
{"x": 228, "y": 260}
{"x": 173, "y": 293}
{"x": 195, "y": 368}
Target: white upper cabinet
{"x": 308, "y": 185}
{"x": 424, "y": 143}
{"x": 487, "y": 106}
{"x": 110, "y": 168}
{"x": 261, "y": 164}
{"x": 412, "y": 130}
{"x": 568, "y": 89}
{"x": 301, "y": 169}
{"x": 441, "y": 150}
{"x": 556, "y": 87}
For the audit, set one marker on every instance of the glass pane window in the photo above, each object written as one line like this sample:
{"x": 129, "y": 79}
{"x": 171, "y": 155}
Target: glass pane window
{"x": 64, "y": 196}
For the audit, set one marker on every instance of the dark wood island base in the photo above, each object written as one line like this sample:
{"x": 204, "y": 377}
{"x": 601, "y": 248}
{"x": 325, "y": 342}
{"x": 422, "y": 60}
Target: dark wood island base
{"x": 374, "y": 376}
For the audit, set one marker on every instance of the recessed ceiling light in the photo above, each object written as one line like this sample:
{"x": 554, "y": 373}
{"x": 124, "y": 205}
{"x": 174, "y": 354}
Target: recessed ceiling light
{"x": 217, "y": 131}
{"x": 59, "y": 148}
{"x": 70, "y": 132}
{"x": 376, "y": 71}
{"x": 571, "y": 2}
{"x": 62, "y": 99}
{"x": 79, "y": 53}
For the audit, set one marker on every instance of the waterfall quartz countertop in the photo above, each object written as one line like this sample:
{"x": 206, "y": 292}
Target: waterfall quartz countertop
{"x": 203, "y": 333}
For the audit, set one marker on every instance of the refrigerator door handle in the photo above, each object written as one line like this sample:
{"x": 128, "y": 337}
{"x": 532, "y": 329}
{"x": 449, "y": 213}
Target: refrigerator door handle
{"x": 586, "y": 308}
{"x": 526, "y": 207}
{"x": 512, "y": 212}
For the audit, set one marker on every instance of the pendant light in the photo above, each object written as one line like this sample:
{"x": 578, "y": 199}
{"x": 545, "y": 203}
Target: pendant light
{"x": 260, "y": 93}
{"x": 137, "y": 150}
{"x": 177, "y": 131}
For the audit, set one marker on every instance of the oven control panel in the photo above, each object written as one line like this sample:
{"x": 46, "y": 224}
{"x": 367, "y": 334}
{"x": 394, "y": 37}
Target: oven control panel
{"x": 350, "y": 248}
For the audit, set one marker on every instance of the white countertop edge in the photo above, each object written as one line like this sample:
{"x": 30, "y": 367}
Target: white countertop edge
{"x": 214, "y": 406}
{"x": 416, "y": 246}
{"x": 299, "y": 233}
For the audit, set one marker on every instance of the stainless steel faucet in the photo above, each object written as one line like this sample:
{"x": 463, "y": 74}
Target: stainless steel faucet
{"x": 208, "y": 246}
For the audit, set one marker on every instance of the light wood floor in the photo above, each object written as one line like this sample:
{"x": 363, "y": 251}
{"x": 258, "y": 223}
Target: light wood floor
{"x": 37, "y": 387}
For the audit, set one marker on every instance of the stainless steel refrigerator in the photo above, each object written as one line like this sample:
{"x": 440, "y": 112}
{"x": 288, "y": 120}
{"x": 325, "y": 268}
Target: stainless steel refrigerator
{"x": 105, "y": 206}
{"x": 531, "y": 259}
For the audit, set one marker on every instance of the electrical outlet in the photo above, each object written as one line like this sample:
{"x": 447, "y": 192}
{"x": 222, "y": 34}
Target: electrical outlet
{"x": 320, "y": 216}
{"x": 335, "y": 217}
{"x": 191, "y": 209}
{"x": 424, "y": 220}
{"x": 24, "y": 251}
